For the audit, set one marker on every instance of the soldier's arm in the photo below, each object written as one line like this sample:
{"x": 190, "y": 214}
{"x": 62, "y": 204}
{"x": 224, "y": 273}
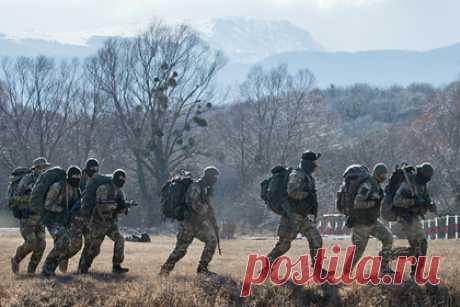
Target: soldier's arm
{"x": 52, "y": 198}
{"x": 364, "y": 198}
{"x": 102, "y": 194}
{"x": 194, "y": 201}
{"x": 120, "y": 199}
{"x": 295, "y": 186}
{"x": 404, "y": 197}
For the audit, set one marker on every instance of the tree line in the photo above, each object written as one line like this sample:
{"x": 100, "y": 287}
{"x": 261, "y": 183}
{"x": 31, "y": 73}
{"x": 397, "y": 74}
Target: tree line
{"x": 149, "y": 104}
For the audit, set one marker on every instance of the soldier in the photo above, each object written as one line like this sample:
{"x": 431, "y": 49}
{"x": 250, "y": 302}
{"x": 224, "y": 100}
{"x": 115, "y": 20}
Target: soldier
{"x": 199, "y": 222}
{"x": 412, "y": 201}
{"x": 299, "y": 212}
{"x": 30, "y": 226}
{"x": 110, "y": 202}
{"x": 363, "y": 219}
{"x": 59, "y": 199}
{"x": 80, "y": 217}
{"x": 91, "y": 169}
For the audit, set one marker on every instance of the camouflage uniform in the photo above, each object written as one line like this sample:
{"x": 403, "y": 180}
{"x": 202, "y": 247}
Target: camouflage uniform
{"x": 79, "y": 225}
{"x": 364, "y": 220}
{"x": 104, "y": 222}
{"x": 302, "y": 202}
{"x": 409, "y": 218}
{"x": 31, "y": 228}
{"x": 59, "y": 199}
{"x": 200, "y": 223}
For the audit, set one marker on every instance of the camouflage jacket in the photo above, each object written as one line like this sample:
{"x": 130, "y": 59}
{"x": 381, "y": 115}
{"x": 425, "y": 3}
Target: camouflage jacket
{"x": 110, "y": 201}
{"x": 302, "y": 197}
{"x": 366, "y": 206}
{"x": 404, "y": 200}
{"x": 198, "y": 202}
{"x": 59, "y": 200}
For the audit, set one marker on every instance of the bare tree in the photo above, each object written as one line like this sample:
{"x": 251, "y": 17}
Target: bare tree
{"x": 159, "y": 87}
{"x": 39, "y": 101}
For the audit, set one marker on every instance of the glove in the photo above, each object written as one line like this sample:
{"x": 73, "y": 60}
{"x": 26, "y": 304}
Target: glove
{"x": 432, "y": 207}
{"x": 26, "y": 213}
{"x": 420, "y": 201}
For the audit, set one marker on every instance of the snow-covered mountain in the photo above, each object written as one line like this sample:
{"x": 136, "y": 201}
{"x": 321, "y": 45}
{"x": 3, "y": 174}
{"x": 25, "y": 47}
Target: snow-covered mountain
{"x": 246, "y": 39}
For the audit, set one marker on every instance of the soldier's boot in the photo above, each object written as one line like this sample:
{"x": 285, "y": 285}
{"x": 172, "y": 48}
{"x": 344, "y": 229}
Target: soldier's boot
{"x": 14, "y": 266}
{"x": 203, "y": 269}
{"x": 83, "y": 268}
{"x": 83, "y": 265}
{"x": 117, "y": 269}
{"x": 164, "y": 272}
{"x": 46, "y": 272}
{"x": 32, "y": 267}
{"x": 63, "y": 266}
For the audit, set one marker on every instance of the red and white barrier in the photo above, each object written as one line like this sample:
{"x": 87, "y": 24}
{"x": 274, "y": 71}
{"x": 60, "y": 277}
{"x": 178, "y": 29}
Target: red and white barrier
{"x": 444, "y": 227}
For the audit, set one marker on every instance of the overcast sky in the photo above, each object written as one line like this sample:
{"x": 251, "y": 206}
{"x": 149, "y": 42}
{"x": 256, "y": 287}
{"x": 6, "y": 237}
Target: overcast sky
{"x": 335, "y": 24}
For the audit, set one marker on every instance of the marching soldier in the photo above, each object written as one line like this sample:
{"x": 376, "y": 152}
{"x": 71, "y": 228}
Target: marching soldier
{"x": 30, "y": 225}
{"x": 60, "y": 198}
{"x": 110, "y": 202}
{"x": 299, "y": 212}
{"x": 199, "y": 222}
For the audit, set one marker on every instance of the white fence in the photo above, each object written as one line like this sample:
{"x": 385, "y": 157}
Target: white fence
{"x": 443, "y": 227}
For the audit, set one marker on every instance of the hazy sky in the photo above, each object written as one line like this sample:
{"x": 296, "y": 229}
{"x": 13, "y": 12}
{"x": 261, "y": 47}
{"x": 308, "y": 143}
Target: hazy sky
{"x": 335, "y": 24}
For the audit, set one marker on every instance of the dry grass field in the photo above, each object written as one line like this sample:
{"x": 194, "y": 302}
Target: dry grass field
{"x": 142, "y": 286}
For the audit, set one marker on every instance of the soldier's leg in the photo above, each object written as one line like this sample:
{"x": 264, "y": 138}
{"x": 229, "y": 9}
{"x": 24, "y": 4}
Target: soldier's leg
{"x": 208, "y": 236}
{"x": 28, "y": 234}
{"x": 38, "y": 248}
{"x": 416, "y": 237}
{"x": 61, "y": 242}
{"x": 384, "y": 235}
{"x": 359, "y": 238}
{"x": 75, "y": 243}
{"x": 75, "y": 236}
{"x": 95, "y": 238}
{"x": 184, "y": 239}
{"x": 286, "y": 235}
{"x": 119, "y": 244}
{"x": 309, "y": 230}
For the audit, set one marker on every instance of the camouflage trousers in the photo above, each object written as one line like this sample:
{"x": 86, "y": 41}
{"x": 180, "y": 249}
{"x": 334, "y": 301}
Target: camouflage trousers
{"x": 78, "y": 231}
{"x": 34, "y": 235}
{"x": 415, "y": 235}
{"x": 203, "y": 231}
{"x": 287, "y": 232}
{"x": 60, "y": 235}
{"x": 360, "y": 236}
{"x": 96, "y": 235}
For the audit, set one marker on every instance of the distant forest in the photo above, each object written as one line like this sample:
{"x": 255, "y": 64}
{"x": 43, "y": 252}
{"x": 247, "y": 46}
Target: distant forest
{"x": 149, "y": 105}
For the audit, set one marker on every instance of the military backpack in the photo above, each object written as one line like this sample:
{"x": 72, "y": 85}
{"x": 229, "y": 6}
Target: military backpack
{"x": 273, "y": 190}
{"x": 353, "y": 177}
{"x": 15, "y": 177}
{"x": 172, "y": 197}
{"x": 43, "y": 184}
{"x": 389, "y": 212}
{"x": 89, "y": 197}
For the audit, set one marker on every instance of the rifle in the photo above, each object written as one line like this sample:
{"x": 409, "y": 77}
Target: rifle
{"x": 218, "y": 241}
{"x": 216, "y": 230}
{"x": 431, "y": 206}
